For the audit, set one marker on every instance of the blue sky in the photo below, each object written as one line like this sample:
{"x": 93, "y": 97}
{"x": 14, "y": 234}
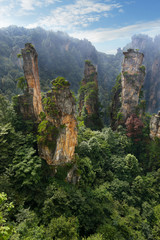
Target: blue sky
{"x": 108, "y": 24}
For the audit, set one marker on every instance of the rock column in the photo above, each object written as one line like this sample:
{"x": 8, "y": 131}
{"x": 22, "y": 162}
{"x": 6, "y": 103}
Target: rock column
{"x": 133, "y": 74}
{"x": 88, "y": 98}
{"x": 30, "y": 67}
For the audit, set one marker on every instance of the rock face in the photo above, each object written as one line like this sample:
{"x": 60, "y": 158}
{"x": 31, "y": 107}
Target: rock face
{"x": 132, "y": 76}
{"x": 88, "y": 98}
{"x": 155, "y": 126}
{"x": 30, "y": 67}
{"x": 60, "y": 109}
{"x": 154, "y": 81}
{"x": 55, "y": 114}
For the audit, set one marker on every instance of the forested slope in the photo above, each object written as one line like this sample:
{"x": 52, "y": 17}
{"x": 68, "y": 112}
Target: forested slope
{"x": 117, "y": 195}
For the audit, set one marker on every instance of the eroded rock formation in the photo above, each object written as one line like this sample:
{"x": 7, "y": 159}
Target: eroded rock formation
{"x": 132, "y": 77}
{"x": 155, "y": 126}
{"x": 60, "y": 109}
{"x": 30, "y": 67}
{"x": 88, "y": 98}
{"x": 127, "y": 98}
{"x": 55, "y": 114}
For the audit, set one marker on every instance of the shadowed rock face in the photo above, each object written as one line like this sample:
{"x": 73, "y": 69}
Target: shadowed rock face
{"x": 30, "y": 67}
{"x": 154, "y": 81}
{"x": 132, "y": 81}
{"x": 88, "y": 98}
{"x": 155, "y": 126}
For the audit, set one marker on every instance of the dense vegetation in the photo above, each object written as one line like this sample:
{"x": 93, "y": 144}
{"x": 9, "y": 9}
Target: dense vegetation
{"x": 117, "y": 196}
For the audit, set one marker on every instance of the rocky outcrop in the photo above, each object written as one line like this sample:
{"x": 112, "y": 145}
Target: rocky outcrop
{"x": 155, "y": 126}
{"x": 88, "y": 98}
{"x": 60, "y": 110}
{"x": 55, "y": 114}
{"x": 132, "y": 76}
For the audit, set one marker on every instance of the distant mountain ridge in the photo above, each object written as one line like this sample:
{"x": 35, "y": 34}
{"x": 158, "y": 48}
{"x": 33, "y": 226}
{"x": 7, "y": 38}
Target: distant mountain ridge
{"x": 62, "y": 55}
{"x": 59, "y": 55}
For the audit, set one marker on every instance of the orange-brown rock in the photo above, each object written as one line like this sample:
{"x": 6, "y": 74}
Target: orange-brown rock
{"x": 63, "y": 118}
{"x": 30, "y": 67}
{"x": 132, "y": 78}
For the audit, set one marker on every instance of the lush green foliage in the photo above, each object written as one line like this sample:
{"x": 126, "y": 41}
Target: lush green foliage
{"x": 117, "y": 196}
{"x": 88, "y": 97}
{"x": 21, "y": 83}
{"x": 6, "y": 229}
{"x": 59, "y": 83}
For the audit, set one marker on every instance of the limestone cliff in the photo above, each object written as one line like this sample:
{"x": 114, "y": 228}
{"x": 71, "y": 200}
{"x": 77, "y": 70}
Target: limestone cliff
{"x": 155, "y": 126}
{"x": 132, "y": 76}
{"x": 60, "y": 109}
{"x": 88, "y": 98}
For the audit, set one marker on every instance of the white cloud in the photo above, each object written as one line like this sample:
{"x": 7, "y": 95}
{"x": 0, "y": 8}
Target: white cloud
{"x": 47, "y": 2}
{"x": 110, "y": 39}
{"x": 6, "y": 8}
{"x": 121, "y": 10}
{"x": 108, "y": 34}
{"x": 29, "y": 4}
{"x": 79, "y": 14}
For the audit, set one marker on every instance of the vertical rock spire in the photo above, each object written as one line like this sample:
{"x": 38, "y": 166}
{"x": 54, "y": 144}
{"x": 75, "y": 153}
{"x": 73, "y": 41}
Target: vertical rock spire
{"x": 30, "y": 67}
{"x": 132, "y": 78}
{"x": 88, "y": 98}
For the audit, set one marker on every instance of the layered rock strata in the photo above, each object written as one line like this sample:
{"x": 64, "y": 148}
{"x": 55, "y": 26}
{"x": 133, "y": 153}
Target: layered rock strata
{"x": 132, "y": 77}
{"x": 88, "y": 98}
